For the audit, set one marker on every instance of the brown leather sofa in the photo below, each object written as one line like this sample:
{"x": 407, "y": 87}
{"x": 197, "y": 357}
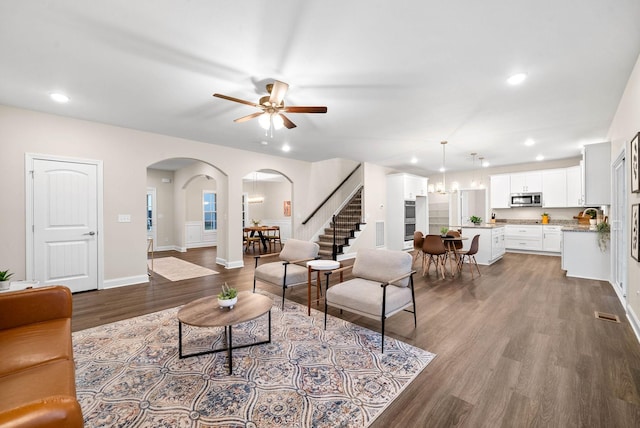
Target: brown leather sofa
{"x": 37, "y": 373}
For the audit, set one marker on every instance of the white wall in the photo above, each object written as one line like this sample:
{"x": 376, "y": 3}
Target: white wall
{"x": 625, "y": 124}
{"x": 126, "y": 154}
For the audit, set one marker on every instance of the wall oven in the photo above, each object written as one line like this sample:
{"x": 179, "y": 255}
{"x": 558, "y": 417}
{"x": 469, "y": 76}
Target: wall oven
{"x": 409, "y": 219}
{"x": 525, "y": 200}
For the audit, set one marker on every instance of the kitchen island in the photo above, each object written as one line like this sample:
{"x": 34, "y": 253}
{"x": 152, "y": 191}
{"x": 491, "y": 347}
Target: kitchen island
{"x": 581, "y": 255}
{"x": 490, "y": 243}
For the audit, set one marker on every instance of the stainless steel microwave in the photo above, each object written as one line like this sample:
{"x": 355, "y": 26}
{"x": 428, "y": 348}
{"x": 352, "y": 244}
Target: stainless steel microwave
{"x": 525, "y": 200}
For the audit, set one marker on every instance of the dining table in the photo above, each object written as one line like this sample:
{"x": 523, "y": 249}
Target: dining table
{"x": 262, "y": 232}
{"x": 449, "y": 242}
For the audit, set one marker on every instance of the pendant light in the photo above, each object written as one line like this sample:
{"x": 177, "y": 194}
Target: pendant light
{"x": 443, "y": 190}
{"x": 256, "y": 198}
{"x": 473, "y": 170}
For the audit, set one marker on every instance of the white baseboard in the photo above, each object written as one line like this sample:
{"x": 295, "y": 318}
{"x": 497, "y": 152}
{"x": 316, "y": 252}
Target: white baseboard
{"x": 230, "y": 265}
{"x": 121, "y": 282}
{"x": 634, "y": 321}
{"x": 171, "y": 248}
{"x": 202, "y": 245}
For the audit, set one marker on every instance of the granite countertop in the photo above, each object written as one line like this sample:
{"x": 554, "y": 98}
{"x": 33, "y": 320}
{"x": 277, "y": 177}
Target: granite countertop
{"x": 524, "y": 222}
{"x": 580, "y": 228}
{"x": 567, "y": 225}
{"x": 480, "y": 226}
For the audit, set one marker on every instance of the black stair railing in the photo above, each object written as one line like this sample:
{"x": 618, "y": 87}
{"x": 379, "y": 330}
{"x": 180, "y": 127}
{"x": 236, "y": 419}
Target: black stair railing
{"x": 331, "y": 194}
{"x": 345, "y": 224}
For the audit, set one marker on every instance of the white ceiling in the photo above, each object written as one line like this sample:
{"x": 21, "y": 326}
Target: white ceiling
{"x": 397, "y": 77}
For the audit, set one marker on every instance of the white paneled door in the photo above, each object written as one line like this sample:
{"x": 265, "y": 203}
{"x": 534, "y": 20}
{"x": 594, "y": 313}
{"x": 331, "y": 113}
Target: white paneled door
{"x": 65, "y": 224}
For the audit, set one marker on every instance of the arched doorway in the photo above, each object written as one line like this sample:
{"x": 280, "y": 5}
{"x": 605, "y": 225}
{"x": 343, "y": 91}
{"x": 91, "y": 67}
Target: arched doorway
{"x": 266, "y": 200}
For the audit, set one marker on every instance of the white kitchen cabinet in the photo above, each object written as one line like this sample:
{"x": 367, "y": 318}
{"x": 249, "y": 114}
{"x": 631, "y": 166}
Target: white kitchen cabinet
{"x": 490, "y": 243}
{"x": 414, "y": 185}
{"x": 526, "y": 182}
{"x": 597, "y": 174}
{"x": 497, "y": 243}
{"x": 582, "y": 257}
{"x": 554, "y": 188}
{"x": 523, "y": 237}
{"x": 575, "y": 188}
{"x": 500, "y": 190}
{"x": 551, "y": 238}
{"x": 401, "y": 187}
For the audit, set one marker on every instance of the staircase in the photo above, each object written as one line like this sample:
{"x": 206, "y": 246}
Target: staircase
{"x": 345, "y": 225}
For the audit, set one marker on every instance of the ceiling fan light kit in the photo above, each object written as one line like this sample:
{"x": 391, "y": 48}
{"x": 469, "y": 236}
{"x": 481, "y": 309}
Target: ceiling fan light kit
{"x": 272, "y": 108}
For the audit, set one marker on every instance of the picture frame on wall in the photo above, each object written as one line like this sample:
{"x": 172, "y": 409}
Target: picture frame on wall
{"x": 635, "y": 169}
{"x": 635, "y": 232}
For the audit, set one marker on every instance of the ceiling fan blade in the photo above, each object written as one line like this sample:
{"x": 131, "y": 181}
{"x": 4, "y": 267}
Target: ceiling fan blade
{"x": 248, "y": 117}
{"x": 237, "y": 100}
{"x": 299, "y": 109}
{"x": 277, "y": 92}
{"x": 287, "y": 122}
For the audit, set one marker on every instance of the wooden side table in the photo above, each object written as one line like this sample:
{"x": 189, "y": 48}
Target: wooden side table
{"x": 318, "y": 266}
{"x": 205, "y": 312}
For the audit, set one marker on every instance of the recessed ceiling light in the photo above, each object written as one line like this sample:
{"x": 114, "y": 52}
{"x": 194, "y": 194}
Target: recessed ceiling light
{"x": 59, "y": 98}
{"x": 517, "y": 78}
{"x": 414, "y": 160}
{"x": 529, "y": 142}
{"x": 539, "y": 157}
{"x": 441, "y": 169}
{"x": 286, "y": 148}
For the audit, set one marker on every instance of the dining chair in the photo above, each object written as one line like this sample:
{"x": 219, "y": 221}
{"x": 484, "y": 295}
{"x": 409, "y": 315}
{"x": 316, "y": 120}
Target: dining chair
{"x": 434, "y": 249}
{"x": 470, "y": 255}
{"x": 453, "y": 247}
{"x": 274, "y": 237}
{"x": 418, "y": 238}
{"x": 250, "y": 241}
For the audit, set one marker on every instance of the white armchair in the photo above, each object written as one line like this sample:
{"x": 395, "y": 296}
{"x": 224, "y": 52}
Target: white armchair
{"x": 291, "y": 270}
{"x": 382, "y": 286}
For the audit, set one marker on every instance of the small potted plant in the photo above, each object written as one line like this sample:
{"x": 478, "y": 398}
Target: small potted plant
{"x": 5, "y": 275}
{"x": 593, "y": 214}
{"x": 545, "y": 218}
{"x": 255, "y": 222}
{"x": 443, "y": 231}
{"x": 475, "y": 220}
{"x": 227, "y": 297}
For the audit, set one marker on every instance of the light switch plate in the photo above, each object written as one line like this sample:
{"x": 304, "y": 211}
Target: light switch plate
{"x": 124, "y": 218}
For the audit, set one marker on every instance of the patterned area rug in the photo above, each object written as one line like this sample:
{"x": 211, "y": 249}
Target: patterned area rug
{"x": 129, "y": 374}
{"x": 175, "y": 269}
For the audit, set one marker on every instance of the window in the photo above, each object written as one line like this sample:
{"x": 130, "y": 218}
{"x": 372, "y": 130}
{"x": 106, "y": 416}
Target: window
{"x": 209, "y": 210}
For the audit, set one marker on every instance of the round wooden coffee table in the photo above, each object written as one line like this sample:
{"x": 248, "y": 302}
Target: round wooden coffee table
{"x": 205, "y": 312}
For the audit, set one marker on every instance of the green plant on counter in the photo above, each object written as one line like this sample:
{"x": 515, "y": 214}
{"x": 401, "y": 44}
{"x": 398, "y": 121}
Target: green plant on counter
{"x": 444, "y": 230}
{"x": 604, "y": 234}
{"x": 227, "y": 292}
{"x": 475, "y": 219}
{"x": 591, "y": 213}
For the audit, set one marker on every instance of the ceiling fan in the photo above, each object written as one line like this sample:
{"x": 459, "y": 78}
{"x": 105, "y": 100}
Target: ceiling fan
{"x": 272, "y": 107}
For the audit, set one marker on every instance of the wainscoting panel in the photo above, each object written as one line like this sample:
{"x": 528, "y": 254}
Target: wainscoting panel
{"x": 196, "y": 237}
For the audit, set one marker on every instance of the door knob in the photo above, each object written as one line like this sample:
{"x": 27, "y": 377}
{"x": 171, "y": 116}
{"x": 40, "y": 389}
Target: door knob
{"x": 90, "y": 233}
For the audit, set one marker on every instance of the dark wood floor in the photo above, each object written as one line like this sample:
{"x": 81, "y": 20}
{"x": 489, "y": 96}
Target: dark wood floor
{"x": 519, "y": 346}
